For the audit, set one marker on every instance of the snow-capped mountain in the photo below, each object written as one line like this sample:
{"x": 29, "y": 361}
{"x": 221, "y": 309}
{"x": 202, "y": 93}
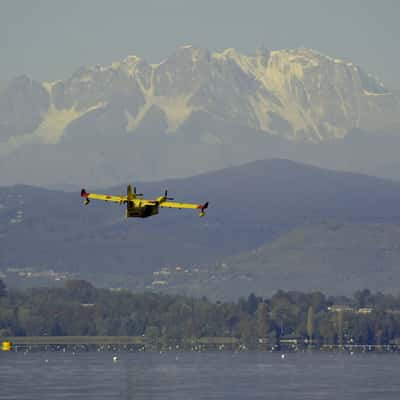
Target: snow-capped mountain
{"x": 195, "y": 97}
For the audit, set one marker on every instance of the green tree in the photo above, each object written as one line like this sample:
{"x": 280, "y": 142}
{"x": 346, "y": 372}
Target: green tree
{"x": 262, "y": 325}
{"x": 80, "y": 290}
{"x": 364, "y": 298}
{"x": 246, "y": 329}
{"x": 3, "y": 289}
{"x": 310, "y": 324}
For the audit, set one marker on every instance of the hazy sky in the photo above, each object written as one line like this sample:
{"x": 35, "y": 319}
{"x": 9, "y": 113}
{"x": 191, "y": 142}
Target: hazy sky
{"x": 49, "y": 39}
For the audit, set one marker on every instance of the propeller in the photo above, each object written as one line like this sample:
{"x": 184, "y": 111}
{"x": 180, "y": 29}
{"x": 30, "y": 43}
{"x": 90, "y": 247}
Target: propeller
{"x": 136, "y": 194}
{"x": 166, "y": 196}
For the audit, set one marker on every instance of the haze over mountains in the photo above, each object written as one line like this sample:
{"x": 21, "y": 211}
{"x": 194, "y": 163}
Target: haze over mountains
{"x": 271, "y": 224}
{"x": 197, "y": 111}
{"x": 204, "y": 116}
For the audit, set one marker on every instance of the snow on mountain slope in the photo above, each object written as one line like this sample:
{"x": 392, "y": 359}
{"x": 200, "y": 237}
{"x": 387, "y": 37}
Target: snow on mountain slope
{"x": 299, "y": 94}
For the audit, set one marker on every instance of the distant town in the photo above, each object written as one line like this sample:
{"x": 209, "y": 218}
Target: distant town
{"x": 21, "y": 277}
{"x": 30, "y": 277}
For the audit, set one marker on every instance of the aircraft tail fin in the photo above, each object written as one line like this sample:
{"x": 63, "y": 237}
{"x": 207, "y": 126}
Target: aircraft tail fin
{"x": 129, "y": 193}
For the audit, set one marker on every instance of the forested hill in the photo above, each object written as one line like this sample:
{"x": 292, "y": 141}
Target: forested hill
{"x": 334, "y": 258}
{"x": 249, "y": 206}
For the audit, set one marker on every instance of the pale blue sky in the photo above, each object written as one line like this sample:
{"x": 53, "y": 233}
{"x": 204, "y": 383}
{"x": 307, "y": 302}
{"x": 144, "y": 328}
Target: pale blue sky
{"x": 49, "y": 39}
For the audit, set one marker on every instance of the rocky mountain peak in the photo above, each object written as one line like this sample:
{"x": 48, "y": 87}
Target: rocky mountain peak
{"x": 297, "y": 93}
{"x": 197, "y": 96}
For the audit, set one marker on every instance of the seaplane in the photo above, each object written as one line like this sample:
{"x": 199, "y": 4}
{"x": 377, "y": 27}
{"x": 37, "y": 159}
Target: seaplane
{"x": 138, "y": 207}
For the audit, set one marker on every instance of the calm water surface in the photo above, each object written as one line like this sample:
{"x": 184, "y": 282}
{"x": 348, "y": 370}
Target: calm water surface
{"x": 92, "y": 375}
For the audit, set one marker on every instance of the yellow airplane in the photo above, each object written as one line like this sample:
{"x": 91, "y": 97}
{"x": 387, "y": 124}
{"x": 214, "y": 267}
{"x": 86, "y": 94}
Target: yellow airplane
{"x": 137, "y": 207}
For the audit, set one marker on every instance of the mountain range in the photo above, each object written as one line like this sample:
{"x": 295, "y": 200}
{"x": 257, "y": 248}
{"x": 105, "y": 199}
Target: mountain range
{"x": 197, "y": 111}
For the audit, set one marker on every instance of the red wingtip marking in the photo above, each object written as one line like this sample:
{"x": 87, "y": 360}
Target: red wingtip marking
{"x": 202, "y": 207}
{"x": 84, "y": 193}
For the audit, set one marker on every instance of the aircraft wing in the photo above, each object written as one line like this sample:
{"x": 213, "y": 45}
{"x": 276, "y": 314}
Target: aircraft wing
{"x": 104, "y": 197}
{"x": 175, "y": 204}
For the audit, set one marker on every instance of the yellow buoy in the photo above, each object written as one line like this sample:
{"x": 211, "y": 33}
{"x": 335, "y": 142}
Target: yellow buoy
{"x": 6, "y": 346}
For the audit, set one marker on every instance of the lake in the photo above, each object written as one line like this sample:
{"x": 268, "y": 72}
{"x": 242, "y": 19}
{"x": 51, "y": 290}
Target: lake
{"x": 191, "y": 375}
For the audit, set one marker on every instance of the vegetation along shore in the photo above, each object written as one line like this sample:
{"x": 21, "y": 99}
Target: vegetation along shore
{"x": 80, "y": 314}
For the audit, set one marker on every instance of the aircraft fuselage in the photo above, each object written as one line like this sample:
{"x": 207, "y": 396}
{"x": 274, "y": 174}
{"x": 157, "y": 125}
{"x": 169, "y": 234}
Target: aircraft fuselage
{"x": 141, "y": 211}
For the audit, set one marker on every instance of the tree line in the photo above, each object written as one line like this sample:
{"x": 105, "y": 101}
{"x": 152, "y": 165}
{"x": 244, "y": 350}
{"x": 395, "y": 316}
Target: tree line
{"x": 79, "y": 309}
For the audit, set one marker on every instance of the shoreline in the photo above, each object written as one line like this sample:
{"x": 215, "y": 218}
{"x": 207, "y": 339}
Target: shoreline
{"x": 141, "y": 343}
